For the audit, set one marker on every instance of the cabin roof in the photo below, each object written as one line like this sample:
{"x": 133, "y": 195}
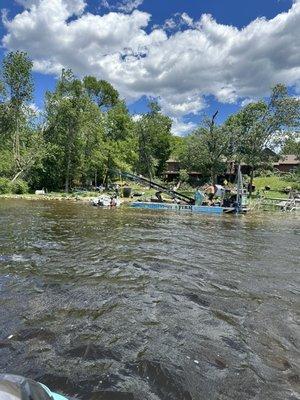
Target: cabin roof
{"x": 288, "y": 159}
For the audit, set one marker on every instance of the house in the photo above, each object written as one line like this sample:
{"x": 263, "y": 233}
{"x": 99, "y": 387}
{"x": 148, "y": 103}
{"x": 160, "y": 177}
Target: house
{"x": 173, "y": 167}
{"x": 287, "y": 163}
{"x": 172, "y": 171}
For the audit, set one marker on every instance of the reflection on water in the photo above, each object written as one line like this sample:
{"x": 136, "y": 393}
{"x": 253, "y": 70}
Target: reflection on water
{"x": 133, "y": 304}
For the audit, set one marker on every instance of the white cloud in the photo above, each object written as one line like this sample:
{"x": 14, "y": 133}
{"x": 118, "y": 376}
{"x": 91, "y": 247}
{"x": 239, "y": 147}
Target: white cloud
{"x": 178, "y": 105}
{"x": 178, "y": 21}
{"x": 137, "y": 117}
{"x": 180, "y": 68}
{"x": 247, "y": 101}
{"x": 181, "y": 128}
{"x": 129, "y": 5}
{"x": 104, "y": 4}
{"x": 75, "y": 7}
{"x": 187, "y": 19}
{"x": 126, "y": 6}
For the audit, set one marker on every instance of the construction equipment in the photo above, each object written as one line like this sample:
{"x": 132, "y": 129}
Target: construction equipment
{"x": 164, "y": 189}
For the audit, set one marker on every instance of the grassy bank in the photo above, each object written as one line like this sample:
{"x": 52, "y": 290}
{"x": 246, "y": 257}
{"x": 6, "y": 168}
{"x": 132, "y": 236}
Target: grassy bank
{"x": 276, "y": 183}
{"x": 83, "y": 196}
{"x": 49, "y": 196}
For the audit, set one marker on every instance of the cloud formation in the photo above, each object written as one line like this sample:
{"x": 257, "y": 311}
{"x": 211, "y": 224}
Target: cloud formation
{"x": 126, "y": 6}
{"x": 177, "y": 22}
{"x": 181, "y": 127}
{"x": 179, "y": 67}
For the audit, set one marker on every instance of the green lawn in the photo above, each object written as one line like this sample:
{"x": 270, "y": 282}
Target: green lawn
{"x": 276, "y": 183}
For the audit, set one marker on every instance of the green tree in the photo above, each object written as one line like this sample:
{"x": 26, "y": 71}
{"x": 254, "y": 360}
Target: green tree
{"x": 93, "y": 155}
{"x": 120, "y": 141}
{"x": 16, "y": 94}
{"x": 178, "y": 146}
{"x": 154, "y": 141}
{"x": 118, "y": 150}
{"x": 100, "y": 91}
{"x": 183, "y": 175}
{"x": 66, "y": 110}
{"x": 292, "y": 145}
{"x": 207, "y": 149}
{"x": 88, "y": 134}
{"x": 260, "y": 125}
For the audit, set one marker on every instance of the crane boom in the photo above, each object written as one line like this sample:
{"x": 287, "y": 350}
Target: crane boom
{"x": 161, "y": 188}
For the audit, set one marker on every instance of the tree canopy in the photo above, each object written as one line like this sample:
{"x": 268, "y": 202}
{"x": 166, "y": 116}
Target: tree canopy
{"x": 262, "y": 125}
{"x": 154, "y": 141}
{"x": 85, "y": 133}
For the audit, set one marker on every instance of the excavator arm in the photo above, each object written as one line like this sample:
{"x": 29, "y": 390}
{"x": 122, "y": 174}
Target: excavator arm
{"x": 161, "y": 188}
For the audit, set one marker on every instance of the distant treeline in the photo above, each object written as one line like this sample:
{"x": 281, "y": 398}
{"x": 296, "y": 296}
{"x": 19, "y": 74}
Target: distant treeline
{"x": 85, "y": 133}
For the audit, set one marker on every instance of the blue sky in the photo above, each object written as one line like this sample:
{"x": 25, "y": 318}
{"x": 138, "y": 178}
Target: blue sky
{"x": 171, "y": 49}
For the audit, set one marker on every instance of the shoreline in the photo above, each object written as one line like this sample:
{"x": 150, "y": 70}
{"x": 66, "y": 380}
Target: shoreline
{"x": 63, "y": 197}
{"x": 255, "y": 207}
{"x": 46, "y": 197}
{"x": 57, "y": 197}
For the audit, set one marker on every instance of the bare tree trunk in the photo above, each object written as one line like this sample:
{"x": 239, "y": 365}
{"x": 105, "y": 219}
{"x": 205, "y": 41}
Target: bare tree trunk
{"x": 27, "y": 163}
{"x": 212, "y": 125}
{"x": 17, "y": 175}
{"x": 106, "y": 180}
{"x": 17, "y": 148}
{"x": 144, "y": 157}
{"x": 16, "y": 143}
{"x": 71, "y": 144}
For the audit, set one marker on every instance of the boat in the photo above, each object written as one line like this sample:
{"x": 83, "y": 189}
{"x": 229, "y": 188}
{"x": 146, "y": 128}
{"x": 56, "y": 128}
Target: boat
{"x": 17, "y": 387}
{"x": 105, "y": 201}
{"x": 184, "y": 208}
{"x": 239, "y": 206}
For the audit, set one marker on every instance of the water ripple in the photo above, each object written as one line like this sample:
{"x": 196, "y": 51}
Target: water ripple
{"x": 133, "y": 304}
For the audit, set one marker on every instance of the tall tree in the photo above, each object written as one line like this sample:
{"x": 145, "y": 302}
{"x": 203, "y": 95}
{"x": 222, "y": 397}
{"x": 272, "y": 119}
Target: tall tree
{"x": 93, "y": 154}
{"x": 154, "y": 138}
{"x": 18, "y": 86}
{"x": 120, "y": 143}
{"x": 207, "y": 149}
{"x": 65, "y": 112}
{"x": 118, "y": 147}
{"x": 100, "y": 91}
{"x": 178, "y": 146}
{"x": 292, "y": 145}
{"x": 260, "y": 125}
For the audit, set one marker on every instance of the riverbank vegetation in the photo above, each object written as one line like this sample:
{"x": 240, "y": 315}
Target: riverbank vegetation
{"x": 277, "y": 186}
{"x": 85, "y": 134}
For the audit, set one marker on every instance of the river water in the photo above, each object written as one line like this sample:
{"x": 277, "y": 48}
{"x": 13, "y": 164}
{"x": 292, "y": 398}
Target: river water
{"x": 129, "y": 304}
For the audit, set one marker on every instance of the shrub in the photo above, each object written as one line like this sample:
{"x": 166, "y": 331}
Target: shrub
{"x": 186, "y": 187}
{"x": 19, "y": 186}
{"x": 296, "y": 186}
{"x": 263, "y": 172}
{"x": 292, "y": 176}
{"x": 5, "y": 185}
{"x": 184, "y": 175}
